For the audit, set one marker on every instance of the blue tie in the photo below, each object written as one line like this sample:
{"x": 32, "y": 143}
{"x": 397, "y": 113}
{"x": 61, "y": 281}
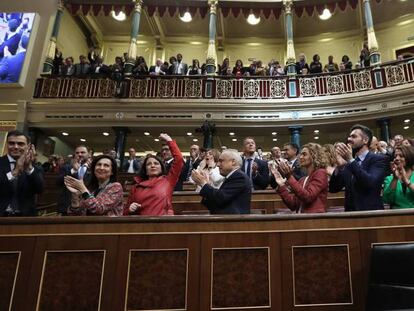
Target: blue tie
{"x": 81, "y": 172}
{"x": 249, "y": 168}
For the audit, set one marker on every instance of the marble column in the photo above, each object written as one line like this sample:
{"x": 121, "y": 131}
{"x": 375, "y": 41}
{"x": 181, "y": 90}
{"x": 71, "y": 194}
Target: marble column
{"x": 211, "y": 61}
{"x": 132, "y": 52}
{"x": 51, "y": 49}
{"x": 121, "y": 134}
{"x": 295, "y": 134}
{"x": 291, "y": 58}
{"x": 385, "y": 131}
{"x": 375, "y": 56}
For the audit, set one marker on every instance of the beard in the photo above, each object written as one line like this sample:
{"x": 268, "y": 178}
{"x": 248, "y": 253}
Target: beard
{"x": 356, "y": 149}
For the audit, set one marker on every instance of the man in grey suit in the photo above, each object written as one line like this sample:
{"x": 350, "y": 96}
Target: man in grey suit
{"x": 233, "y": 196}
{"x": 180, "y": 68}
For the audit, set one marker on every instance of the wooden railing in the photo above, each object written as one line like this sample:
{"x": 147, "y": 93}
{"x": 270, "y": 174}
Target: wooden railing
{"x": 225, "y": 88}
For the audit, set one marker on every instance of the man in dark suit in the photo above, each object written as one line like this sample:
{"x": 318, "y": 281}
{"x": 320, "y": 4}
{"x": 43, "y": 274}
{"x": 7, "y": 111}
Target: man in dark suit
{"x": 360, "y": 171}
{"x": 256, "y": 169}
{"x": 83, "y": 67}
{"x": 291, "y": 151}
{"x": 131, "y": 164}
{"x": 158, "y": 69}
{"x": 11, "y": 66}
{"x": 233, "y": 196}
{"x": 20, "y": 181}
{"x": 193, "y": 161}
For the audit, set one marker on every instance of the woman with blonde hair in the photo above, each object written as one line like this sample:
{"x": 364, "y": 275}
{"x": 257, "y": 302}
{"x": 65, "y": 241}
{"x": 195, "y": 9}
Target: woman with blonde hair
{"x": 310, "y": 193}
{"x": 208, "y": 167}
{"x": 330, "y": 155}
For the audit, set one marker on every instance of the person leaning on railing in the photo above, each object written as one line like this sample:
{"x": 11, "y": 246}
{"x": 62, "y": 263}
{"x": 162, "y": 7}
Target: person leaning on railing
{"x": 152, "y": 192}
{"x": 102, "y": 196}
{"x": 310, "y": 193}
{"x": 399, "y": 187}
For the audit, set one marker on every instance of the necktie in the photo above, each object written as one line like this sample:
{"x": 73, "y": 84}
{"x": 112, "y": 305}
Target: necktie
{"x": 249, "y": 168}
{"x": 358, "y": 161}
{"x": 12, "y": 165}
{"x": 81, "y": 172}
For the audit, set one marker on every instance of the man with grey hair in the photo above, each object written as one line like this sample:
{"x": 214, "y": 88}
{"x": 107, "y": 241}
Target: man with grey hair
{"x": 233, "y": 196}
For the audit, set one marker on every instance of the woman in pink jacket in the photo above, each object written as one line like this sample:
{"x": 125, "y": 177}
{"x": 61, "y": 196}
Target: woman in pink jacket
{"x": 152, "y": 192}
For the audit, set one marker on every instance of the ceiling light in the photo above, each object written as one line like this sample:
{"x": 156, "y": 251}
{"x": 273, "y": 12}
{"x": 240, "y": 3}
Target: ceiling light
{"x": 156, "y": 139}
{"x": 146, "y": 133}
{"x": 274, "y": 133}
{"x": 196, "y": 42}
{"x": 274, "y": 139}
{"x": 186, "y": 18}
{"x": 195, "y": 139}
{"x": 189, "y": 133}
{"x": 316, "y": 131}
{"x": 325, "y": 39}
{"x": 82, "y": 139}
{"x": 326, "y": 14}
{"x": 120, "y": 17}
{"x": 105, "y": 134}
{"x": 234, "y": 139}
{"x": 406, "y": 127}
{"x": 405, "y": 121}
{"x": 253, "y": 20}
{"x": 405, "y": 22}
{"x": 231, "y": 134}
{"x": 65, "y": 134}
{"x": 316, "y": 137}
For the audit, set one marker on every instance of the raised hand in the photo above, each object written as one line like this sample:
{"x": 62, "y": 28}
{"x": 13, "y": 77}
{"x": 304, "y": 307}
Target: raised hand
{"x": 165, "y": 137}
{"x": 75, "y": 185}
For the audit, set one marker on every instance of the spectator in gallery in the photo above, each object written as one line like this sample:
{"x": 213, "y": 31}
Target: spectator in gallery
{"x": 364, "y": 57}
{"x": 260, "y": 69}
{"x": 274, "y": 69}
{"x": 316, "y": 65}
{"x": 238, "y": 69}
{"x": 152, "y": 192}
{"x": 12, "y": 38}
{"x": 223, "y": 69}
{"x": 194, "y": 69}
{"x": 11, "y": 65}
{"x": 251, "y": 70}
{"x": 117, "y": 69}
{"x": 399, "y": 187}
{"x": 57, "y": 62}
{"x": 83, "y": 67}
{"x": 68, "y": 68}
{"x": 173, "y": 62}
{"x": 102, "y": 195}
{"x": 302, "y": 64}
{"x": 158, "y": 69}
{"x": 140, "y": 68}
{"x": 331, "y": 66}
{"x": 346, "y": 63}
{"x": 310, "y": 193}
{"x": 180, "y": 68}
{"x": 98, "y": 68}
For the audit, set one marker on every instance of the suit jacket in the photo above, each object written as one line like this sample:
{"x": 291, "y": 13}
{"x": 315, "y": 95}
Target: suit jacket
{"x": 233, "y": 197}
{"x": 362, "y": 182}
{"x": 136, "y": 165}
{"x": 183, "y": 70}
{"x": 10, "y": 67}
{"x": 27, "y": 187}
{"x": 261, "y": 180}
{"x": 311, "y": 198}
{"x": 82, "y": 69}
{"x": 68, "y": 71}
{"x": 152, "y": 70}
{"x": 12, "y": 44}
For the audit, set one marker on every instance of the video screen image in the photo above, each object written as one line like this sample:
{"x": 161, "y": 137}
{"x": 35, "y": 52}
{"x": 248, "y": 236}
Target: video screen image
{"x": 15, "y": 31}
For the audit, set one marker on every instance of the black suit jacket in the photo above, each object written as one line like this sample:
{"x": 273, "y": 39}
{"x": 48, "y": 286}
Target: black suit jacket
{"x": 136, "y": 165}
{"x": 261, "y": 180}
{"x": 362, "y": 182}
{"x": 27, "y": 187}
{"x": 233, "y": 197}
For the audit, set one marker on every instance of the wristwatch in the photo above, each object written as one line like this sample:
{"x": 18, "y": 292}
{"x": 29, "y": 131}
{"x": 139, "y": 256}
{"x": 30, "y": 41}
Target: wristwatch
{"x": 86, "y": 195}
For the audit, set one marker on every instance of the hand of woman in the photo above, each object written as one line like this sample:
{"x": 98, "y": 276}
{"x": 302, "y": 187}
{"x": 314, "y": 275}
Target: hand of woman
{"x": 134, "y": 207}
{"x": 278, "y": 178}
{"x": 75, "y": 185}
{"x": 285, "y": 169}
{"x": 165, "y": 137}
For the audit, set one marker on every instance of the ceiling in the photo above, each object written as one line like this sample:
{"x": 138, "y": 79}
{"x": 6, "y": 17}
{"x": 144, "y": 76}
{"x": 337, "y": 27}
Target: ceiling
{"x": 262, "y": 135}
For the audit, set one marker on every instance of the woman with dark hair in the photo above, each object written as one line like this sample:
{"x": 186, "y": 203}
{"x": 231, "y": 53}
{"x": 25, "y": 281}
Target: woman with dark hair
{"x": 102, "y": 196}
{"x": 152, "y": 192}
{"x": 346, "y": 63}
{"x": 316, "y": 65}
{"x": 208, "y": 167}
{"x": 310, "y": 193}
{"x": 194, "y": 69}
{"x": 223, "y": 69}
{"x": 399, "y": 187}
{"x": 238, "y": 69}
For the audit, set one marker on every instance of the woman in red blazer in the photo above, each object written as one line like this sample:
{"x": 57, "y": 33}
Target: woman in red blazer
{"x": 152, "y": 192}
{"x": 310, "y": 193}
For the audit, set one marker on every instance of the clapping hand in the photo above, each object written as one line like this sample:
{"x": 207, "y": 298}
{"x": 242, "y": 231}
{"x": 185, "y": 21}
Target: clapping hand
{"x": 199, "y": 178}
{"x": 75, "y": 185}
{"x": 285, "y": 169}
{"x": 278, "y": 178}
{"x": 25, "y": 161}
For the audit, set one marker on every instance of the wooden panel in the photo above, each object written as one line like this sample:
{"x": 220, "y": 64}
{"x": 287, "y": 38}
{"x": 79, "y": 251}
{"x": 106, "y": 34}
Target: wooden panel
{"x": 321, "y": 275}
{"x": 9, "y": 263}
{"x": 71, "y": 280}
{"x": 235, "y": 272}
{"x": 157, "y": 280}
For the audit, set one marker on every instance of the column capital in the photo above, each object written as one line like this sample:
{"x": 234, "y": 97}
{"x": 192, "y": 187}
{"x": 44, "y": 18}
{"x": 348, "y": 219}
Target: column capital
{"x": 61, "y": 5}
{"x": 287, "y": 5}
{"x": 213, "y": 6}
{"x": 295, "y": 128}
{"x": 138, "y": 5}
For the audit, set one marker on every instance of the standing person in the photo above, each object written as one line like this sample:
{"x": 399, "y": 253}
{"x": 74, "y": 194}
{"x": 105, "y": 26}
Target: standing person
{"x": 291, "y": 151}
{"x": 360, "y": 171}
{"x": 399, "y": 187}
{"x": 169, "y": 159}
{"x": 316, "y": 65}
{"x": 193, "y": 161}
{"x": 152, "y": 192}
{"x": 256, "y": 169}
{"x": 234, "y": 194}
{"x": 331, "y": 66}
{"x": 103, "y": 194}
{"x": 20, "y": 181}
{"x": 310, "y": 193}
{"x": 132, "y": 164}
{"x": 180, "y": 68}
{"x": 208, "y": 167}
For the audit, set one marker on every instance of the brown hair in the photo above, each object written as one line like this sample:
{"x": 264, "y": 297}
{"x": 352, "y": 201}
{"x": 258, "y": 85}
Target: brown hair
{"x": 317, "y": 155}
{"x": 330, "y": 154}
{"x": 408, "y": 154}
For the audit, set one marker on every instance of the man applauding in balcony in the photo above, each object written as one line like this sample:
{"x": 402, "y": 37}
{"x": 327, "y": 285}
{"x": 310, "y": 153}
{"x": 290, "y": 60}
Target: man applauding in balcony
{"x": 360, "y": 171}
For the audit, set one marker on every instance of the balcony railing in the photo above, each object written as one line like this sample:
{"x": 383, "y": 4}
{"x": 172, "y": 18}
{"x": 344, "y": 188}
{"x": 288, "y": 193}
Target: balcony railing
{"x": 225, "y": 88}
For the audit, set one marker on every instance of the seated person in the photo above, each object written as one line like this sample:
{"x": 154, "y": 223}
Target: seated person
{"x": 399, "y": 187}
{"x": 102, "y": 196}
{"x": 310, "y": 193}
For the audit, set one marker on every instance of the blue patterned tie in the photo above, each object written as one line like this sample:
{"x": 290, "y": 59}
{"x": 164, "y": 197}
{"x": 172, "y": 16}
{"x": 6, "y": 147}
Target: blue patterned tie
{"x": 249, "y": 168}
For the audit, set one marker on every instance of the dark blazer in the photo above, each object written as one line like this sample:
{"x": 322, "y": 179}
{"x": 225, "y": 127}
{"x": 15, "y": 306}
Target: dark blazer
{"x": 27, "y": 186}
{"x": 10, "y": 67}
{"x": 261, "y": 180}
{"x": 184, "y": 70}
{"x": 363, "y": 183}
{"x": 136, "y": 165}
{"x": 233, "y": 197}
{"x": 82, "y": 69}
{"x": 12, "y": 43}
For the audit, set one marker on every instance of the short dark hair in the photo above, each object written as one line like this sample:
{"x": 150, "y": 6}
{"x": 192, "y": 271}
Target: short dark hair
{"x": 293, "y": 146}
{"x": 143, "y": 172}
{"x": 93, "y": 182}
{"x": 365, "y": 130}
{"x": 18, "y": 133}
